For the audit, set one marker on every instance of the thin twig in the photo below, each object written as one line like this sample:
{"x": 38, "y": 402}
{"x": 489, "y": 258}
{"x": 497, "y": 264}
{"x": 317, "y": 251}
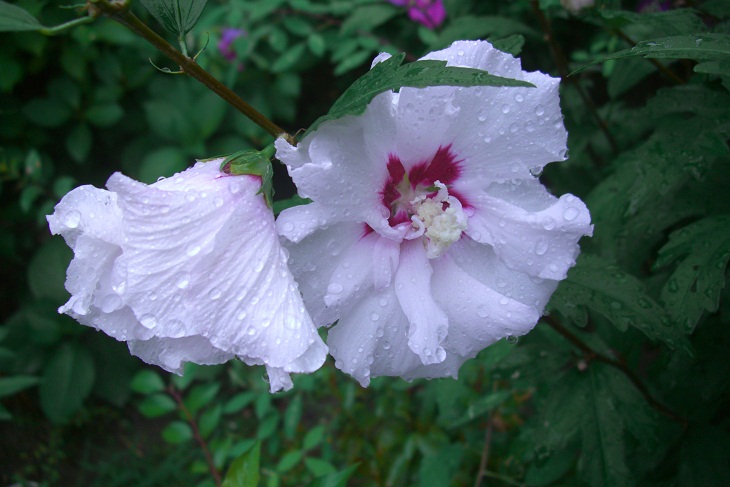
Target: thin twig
{"x": 196, "y": 433}
{"x": 487, "y": 442}
{"x": 590, "y": 354}
{"x": 119, "y": 12}
{"x": 562, "y": 65}
{"x": 670, "y": 74}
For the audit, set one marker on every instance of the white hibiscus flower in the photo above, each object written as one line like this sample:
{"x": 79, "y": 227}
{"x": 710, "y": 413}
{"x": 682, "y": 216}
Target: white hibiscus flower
{"x": 188, "y": 269}
{"x": 428, "y": 238}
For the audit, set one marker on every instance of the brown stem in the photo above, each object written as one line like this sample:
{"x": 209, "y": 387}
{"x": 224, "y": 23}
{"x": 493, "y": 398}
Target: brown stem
{"x": 562, "y": 65}
{"x": 591, "y": 354}
{"x": 487, "y": 443}
{"x": 670, "y": 74}
{"x": 196, "y": 433}
{"x": 119, "y": 12}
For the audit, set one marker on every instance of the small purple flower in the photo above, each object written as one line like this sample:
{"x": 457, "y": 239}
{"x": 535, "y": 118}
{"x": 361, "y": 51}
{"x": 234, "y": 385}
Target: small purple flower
{"x": 430, "y": 13}
{"x": 225, "y": 45}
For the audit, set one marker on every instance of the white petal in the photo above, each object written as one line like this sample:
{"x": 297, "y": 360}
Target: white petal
{"x": 502, "y": 133}
{"x": 89, "y": 211}
{"x": 478, "y": 315}
{"x": 313, "y": 261}
{"x": 370, "y": 339}
{"x": 428, "y": 324}
{"x": 480, "y": 262}
{"x": 299, "y": 222}
{"x": 540, "y": 243}
{"x": 171, "y": 353}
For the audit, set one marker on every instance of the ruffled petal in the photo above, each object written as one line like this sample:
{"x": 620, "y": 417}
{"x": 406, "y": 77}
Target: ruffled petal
{"x": 87, "y": 211}
{"x": 427, "y": 323}
{"x": 502, "y": 133}
{"x": 540, "y": 243}
{"x": 478, "y": 315}
{"x": 313, "y": 261}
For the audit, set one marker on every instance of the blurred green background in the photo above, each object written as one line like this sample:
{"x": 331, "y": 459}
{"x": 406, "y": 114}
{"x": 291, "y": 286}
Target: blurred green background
{"x": 641, "y": 398}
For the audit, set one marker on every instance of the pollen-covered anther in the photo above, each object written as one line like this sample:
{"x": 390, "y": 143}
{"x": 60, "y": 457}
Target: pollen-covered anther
{"x": 441, "y": 219}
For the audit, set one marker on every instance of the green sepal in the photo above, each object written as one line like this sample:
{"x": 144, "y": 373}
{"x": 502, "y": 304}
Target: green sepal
{"x": 257, "y": 163}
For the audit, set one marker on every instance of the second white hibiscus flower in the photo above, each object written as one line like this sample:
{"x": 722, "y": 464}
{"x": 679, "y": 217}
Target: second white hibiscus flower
{"x": 429, "y": 238}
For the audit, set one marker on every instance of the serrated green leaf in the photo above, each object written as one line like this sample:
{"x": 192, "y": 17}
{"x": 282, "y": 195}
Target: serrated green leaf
{"x": 177, "y": 432}
{"x": 11, "y": 385}
{"x": 16, "y": 19}
{"x": 67, "y": 380}
{"x": 392, "y": 75}
{"x": 244, "y": 471}
{"x": 672, "y": 22}
{"x": 696, "y": 283}
{"x": 700, "y": 47}
{"x": 157, "y": 405}
{"x": 601, "y": 286}
{"x": 147, "y": 382}
{"x": 177, "y": 16}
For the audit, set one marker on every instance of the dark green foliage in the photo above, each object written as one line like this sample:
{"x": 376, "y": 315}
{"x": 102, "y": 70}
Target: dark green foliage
{"x": 624, "y": 383}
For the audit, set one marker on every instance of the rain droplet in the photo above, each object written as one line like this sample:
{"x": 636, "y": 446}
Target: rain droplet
{"x": 482, "y": 311}
{"x": 570, "y": 213}
{"x": 240, "y": 316}
{"x": 183, "y": 279}
{"x": 192, "y": 250}
{"x": 72, "y": 219}
{"x": 375, "y": 316}
{"x": 505, "y": 109}
{"x": 514, "y": 127}
{"x": 148, "y": 321}
{"x": 536, "y": 171}
{"x": 539, "y": 110}
{"x": 288, "y": 227}
{"x": 519, "y": 97}
{"x": 512, "y": 339}
{"x": 234, "y": 188}
{"x": 218, "y": 202}
{"x": 215, "y": 293}
{"x": 482, "y": 115}
{"x": 541, "y": 247}
{"x": 504, "y": 300}
{"x": 111, "y": 302}
{"x": 334, "y": 288}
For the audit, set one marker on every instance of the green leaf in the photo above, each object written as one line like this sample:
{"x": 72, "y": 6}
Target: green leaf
{"x": 319, "y": 467}
{"x": 481, "y": 406}
{"x": 511, "y": 45}
{"x": 16, "y": 19}
{"x": 104, "y": 114}
{"x": 47, "y": 270}
{"x": 292, "y": 416}
{"x": 601, "y": 286}
{"x": 313, "y": 437}
{"x": 287, "y": 60}
{"x": 700, "y": 47}
{"x": 288, "y": 461}
{"x": 147, "y": 382}
{"x": 338, "y": 479}
{"x": 669, "y": 23}
{"x": 78, "y": 142}
{"x": 472, "y": 28}
{"x": 47, "y": 112}
{"x": 392, "y": 75}
{"x": 11, "y": 385}
{"x": 316, "y": 44}
{"x": 695, "y": 284}
{"x": 703, "y": 457}
{"x": 210, "y": 420}
{"x": 238, "y": 402}
{"x": 157, "y": 405}
{"x": 295, "y": 200}
{"x": 178, "y": 16}
{"x": 368, "y": 17}
{"x": 68, "y": 377}
{"x": 162, "y": 162}
{"x": 201, "y": 396}
{"x": 177, "y": 432}
{"x": 258, "y": 163}
{"x": 244, "y": 471}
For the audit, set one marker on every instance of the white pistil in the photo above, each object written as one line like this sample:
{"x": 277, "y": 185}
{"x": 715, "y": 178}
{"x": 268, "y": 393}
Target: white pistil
{"x": 441, "y": 226}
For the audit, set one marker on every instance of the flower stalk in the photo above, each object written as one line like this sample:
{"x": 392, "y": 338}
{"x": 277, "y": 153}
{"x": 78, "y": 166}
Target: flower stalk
{"x": 119, "y": 12}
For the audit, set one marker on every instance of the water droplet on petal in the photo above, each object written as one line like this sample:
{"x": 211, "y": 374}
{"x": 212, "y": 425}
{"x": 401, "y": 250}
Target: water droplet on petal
{"x": 505, "y": 109}
{"x": 72, "y": 219}
{"x": 192, "y": 250}
{"x": 539, "y": 110}
{"x": 482, "y": 311}
{"x": 512, "y": 339}
{"x": 570, "y": 213}
{"x": 482, "y": 115}
{"x": 334, "y": 288}
{"x": 541, "y": 247}
{"x": 111, "y": 302}
{"x": 148, "y": 321}
{"x": 519, "y": 97}
{"x": 215, "y": 293}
